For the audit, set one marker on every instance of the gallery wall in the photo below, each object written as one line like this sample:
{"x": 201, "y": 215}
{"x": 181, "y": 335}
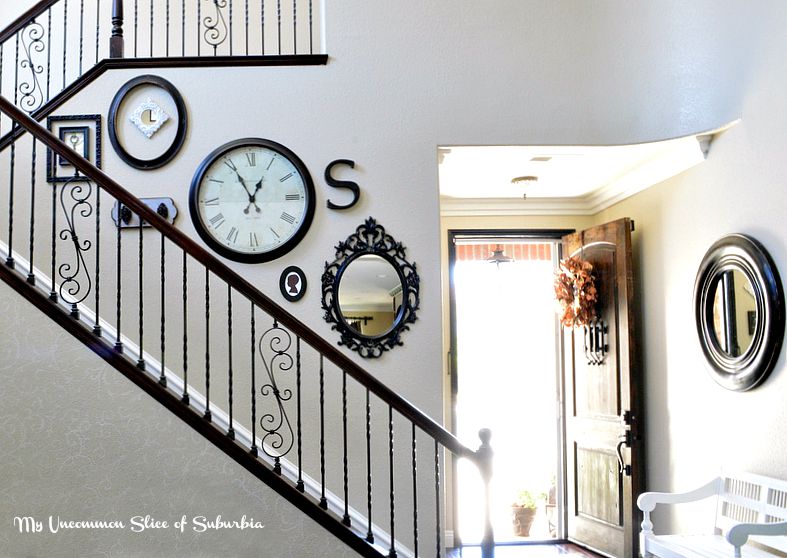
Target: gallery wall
{"x": 403, "y": 79}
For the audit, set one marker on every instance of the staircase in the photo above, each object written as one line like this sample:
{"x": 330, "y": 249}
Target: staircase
{"x": 256, "y": 382}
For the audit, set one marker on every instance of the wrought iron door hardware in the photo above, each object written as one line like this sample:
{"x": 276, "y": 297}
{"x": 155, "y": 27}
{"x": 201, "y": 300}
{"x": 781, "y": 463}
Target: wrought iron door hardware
{"x": 596, "y": 342}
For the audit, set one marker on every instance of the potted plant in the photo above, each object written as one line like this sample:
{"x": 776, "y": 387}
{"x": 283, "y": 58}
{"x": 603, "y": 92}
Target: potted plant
{"x": 523, "y": 511}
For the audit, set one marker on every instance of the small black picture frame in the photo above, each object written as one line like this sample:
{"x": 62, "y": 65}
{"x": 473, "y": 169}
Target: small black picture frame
{"x": 292, "y": 283}
{"x": 77, "y": 138}
{"x": 59, "y": 169}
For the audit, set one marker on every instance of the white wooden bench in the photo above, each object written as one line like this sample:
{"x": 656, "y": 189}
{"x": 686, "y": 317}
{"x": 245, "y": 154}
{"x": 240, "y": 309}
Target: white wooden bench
{"x": 751, "y": 520}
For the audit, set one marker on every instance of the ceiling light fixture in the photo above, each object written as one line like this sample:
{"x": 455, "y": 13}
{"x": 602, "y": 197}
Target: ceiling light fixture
{"x": 523, "y": 180}
{"x": 498, "y": 257}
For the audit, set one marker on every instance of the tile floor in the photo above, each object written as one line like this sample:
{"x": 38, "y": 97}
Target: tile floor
{"x": 525, "y": 551}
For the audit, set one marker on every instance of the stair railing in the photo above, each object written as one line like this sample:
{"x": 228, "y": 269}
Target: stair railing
{"x": 57, "y": 44}
{"x": 228, "y": 360}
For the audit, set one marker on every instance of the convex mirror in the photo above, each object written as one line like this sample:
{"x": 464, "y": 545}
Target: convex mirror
{"x": 739, "y": 309}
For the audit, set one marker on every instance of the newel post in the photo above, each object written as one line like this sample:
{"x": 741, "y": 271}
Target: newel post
{"x": 116, "y": 39}
{"x": 484, "y": 460}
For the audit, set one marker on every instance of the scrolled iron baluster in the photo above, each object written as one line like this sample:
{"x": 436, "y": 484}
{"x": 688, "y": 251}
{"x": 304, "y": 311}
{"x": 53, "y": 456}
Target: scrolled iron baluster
{"x": 216, "y": 30}
{"x": 32, "y": 92}
{"x": 231, "y": 430}
{"x": 75, "y": 194}
{"x": 279, "y": 438}
{"x": 31, "y": 278}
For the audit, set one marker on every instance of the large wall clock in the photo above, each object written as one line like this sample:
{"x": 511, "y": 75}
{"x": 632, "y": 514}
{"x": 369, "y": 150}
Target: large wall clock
{"x": 252, "y": 200}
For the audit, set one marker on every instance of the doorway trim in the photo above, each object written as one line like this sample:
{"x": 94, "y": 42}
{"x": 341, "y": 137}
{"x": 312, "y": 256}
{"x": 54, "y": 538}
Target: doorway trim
{"x": 497, "y": 234}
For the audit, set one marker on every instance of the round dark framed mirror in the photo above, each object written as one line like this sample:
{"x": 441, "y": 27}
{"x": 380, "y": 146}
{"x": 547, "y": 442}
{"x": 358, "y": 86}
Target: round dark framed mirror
{"x": 739, "y": 310}
{"x": 370, "y": 292}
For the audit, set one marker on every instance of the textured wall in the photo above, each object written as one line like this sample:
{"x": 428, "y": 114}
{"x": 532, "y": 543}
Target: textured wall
{"x": 83, "y": 443}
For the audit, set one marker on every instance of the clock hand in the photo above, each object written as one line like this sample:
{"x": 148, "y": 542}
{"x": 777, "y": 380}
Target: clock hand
{"x": 253, "y": 198}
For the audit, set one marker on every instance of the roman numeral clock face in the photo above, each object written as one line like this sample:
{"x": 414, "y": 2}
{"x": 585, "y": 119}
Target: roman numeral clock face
{"x": 252, "y": 200}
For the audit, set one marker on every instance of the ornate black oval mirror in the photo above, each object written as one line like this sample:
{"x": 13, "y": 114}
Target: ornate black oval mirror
{"x": 739, "y": 309}
{"x": 370, "y": 291}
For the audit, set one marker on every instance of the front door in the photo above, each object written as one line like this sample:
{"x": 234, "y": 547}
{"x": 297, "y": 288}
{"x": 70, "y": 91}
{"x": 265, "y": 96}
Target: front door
{"x": 603, "y": 416}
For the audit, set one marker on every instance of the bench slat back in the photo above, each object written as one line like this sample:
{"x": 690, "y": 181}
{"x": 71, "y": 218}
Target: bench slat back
{"x": 750, "y": 498}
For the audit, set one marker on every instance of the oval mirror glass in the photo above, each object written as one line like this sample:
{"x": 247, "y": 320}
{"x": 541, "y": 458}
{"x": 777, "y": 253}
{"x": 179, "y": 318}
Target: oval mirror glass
{"x": 370, "y": 295}
{"x": 734, "y": 312}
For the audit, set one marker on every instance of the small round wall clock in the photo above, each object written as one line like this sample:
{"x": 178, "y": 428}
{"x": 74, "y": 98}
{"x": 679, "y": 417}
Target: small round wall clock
{"x": 252, "y": 200}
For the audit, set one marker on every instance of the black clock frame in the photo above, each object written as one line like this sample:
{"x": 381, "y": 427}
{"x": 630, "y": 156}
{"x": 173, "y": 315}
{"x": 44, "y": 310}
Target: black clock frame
{"x": 180, "y": 134}
{"x": 245, "y": 257}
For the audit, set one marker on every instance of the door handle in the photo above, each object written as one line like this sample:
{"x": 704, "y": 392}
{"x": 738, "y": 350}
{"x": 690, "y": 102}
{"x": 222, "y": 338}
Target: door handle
{"x": 624, "y": 440}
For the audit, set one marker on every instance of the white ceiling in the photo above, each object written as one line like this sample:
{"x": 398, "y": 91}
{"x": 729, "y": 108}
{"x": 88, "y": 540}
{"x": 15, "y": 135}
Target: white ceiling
{"x": 476, "y": 180}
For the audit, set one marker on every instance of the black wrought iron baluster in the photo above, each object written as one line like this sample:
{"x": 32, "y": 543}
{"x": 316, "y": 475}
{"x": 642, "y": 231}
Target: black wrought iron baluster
{"x": 32, "y": 91}
{"x": 185, "y": 397}
{"x": 10, "y": 257}
{"x": 199, "y": 23}
{"x": 119, "y": 248}
{"x": 311, "y": 28}
{"x": 76, "y": 280}
{"x": 163, "y": 333}
{"x": 141, "y": 359}
{"x": 369, "y": 534}
{"x": 278, "y": 20}
{"x": 208, "y": 416}
{"x": 439, "y": 545}
{"x": 97, "y": 324}
{"x": 295, "y": 26}
{"x": 231, "y": 430}
{"x": 392, "y": 549}
{"x": 323, "y": 500}
{"x": 48, "y": 52}
{"x": 415, "y": 495}
{"x": 247, "y": 27}
{"x": 81, "y": 32}
{"x": 65, "y": 40}
{"x": 136, "y": 26}
{"x": 299, "y": 484}
{"x": 98, "y": 27}
{"x": 262, "y": 27}
{"x": 151, "y": 28}
{"x": 254, "y": 450}
{"x": 279, "y": 437}
{"x": 183, "y": 28}
{"x": 9, "y": 261}
{"x": 52, "y": 290}
{"x": 166, "y": 47}
{"x": 216, "y": 30}
{"x": 31, "y": 278}
{"x": 346, "y": 518}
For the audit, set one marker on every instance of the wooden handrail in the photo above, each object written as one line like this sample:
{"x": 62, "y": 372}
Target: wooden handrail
{"x": 239, "y": 284}
{"x": 20, "y": 22}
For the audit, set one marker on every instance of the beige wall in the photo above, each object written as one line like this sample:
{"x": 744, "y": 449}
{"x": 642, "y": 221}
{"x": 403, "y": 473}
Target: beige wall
{"x": 404, "y": 78}
{"x": 694, "y": 427}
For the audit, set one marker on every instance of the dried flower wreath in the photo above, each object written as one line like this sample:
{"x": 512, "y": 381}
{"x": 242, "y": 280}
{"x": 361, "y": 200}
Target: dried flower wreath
{"x": 576, "y": 292}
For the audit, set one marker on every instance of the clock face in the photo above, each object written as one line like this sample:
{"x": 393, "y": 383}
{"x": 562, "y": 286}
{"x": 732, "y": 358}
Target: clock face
{"x": 252, "y": 200}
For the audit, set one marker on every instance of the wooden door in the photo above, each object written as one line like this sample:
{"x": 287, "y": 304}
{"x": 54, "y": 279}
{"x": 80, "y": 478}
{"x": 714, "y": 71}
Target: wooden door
{"x": 603, "y": 443}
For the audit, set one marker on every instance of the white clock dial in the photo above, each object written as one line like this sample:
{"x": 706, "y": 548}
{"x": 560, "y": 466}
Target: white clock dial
{"x": 252, "y": 200}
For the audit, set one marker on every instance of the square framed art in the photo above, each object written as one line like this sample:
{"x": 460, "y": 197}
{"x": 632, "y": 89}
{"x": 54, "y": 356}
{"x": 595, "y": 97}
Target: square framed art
{"x": 82, "y": 133}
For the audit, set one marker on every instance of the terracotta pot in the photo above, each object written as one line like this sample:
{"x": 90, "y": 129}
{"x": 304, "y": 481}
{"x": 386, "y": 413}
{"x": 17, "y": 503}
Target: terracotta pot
{"x": 523, "y": 519}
